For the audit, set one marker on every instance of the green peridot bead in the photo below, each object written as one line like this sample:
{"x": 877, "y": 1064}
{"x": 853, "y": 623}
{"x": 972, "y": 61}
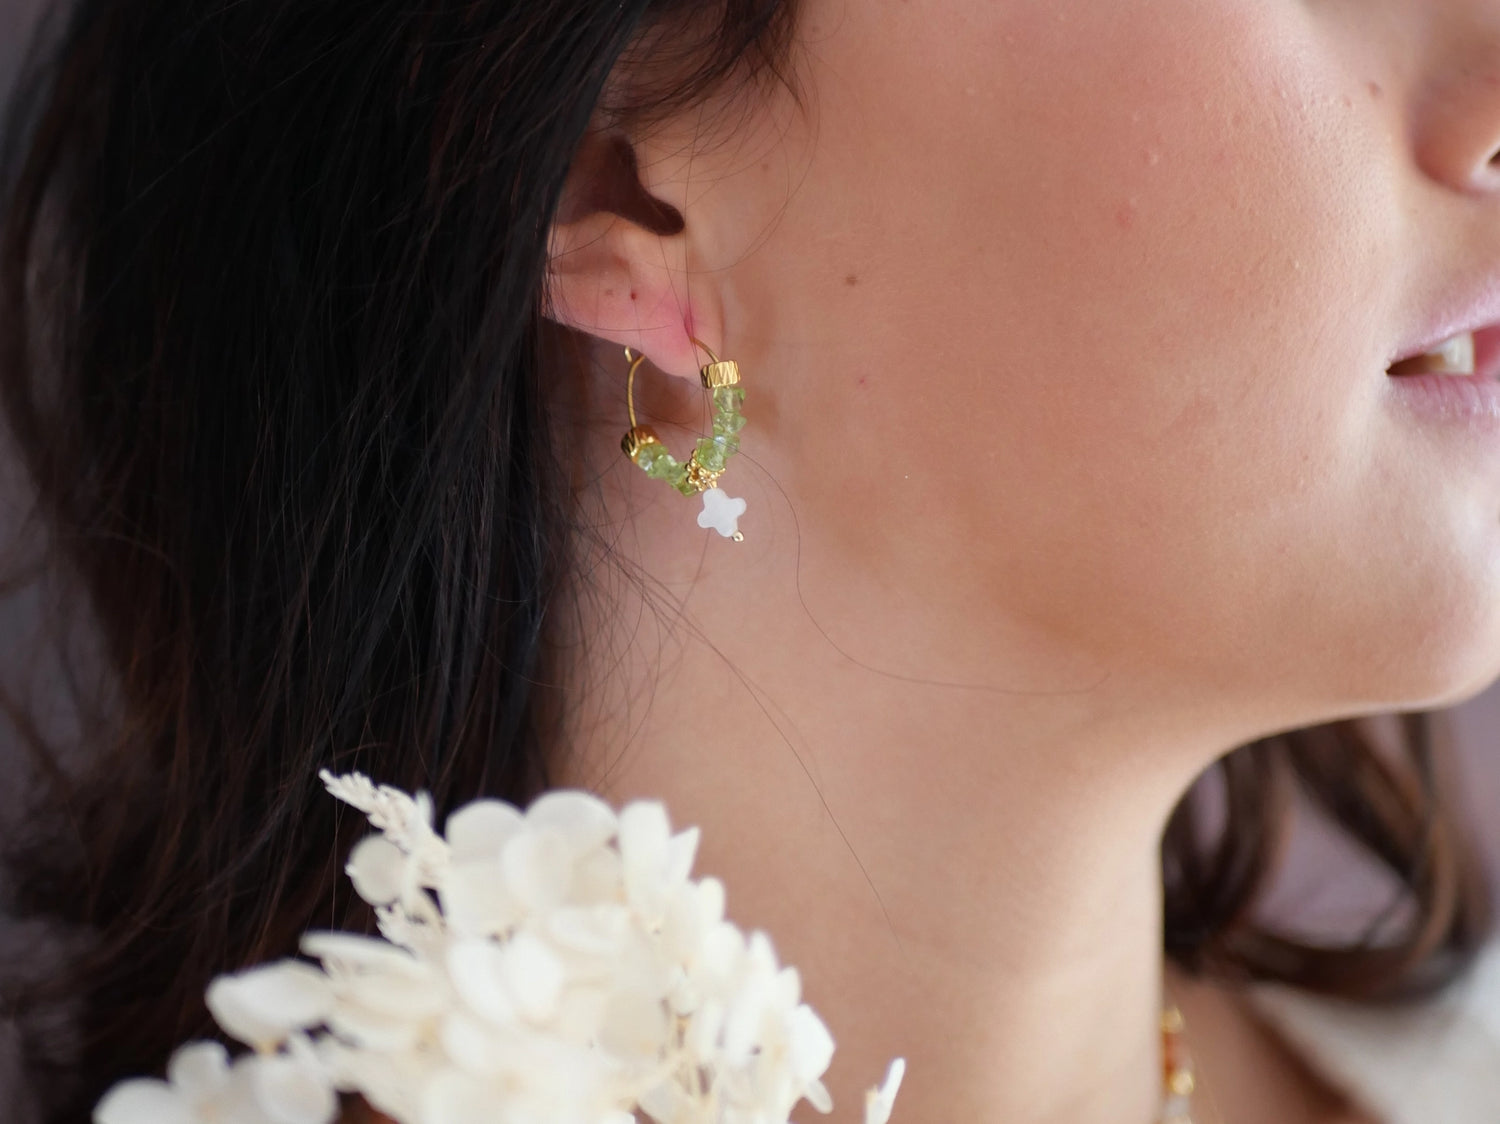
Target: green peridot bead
{"x": 659, "y": 464}
{"x": 710, "y": 454}
{"x": 725, "y": 422}
{"x": 729, "y": 398}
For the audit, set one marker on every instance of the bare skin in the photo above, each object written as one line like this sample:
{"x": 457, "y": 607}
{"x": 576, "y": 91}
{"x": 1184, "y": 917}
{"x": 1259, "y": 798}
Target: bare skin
{"x": 1072, "y": 462}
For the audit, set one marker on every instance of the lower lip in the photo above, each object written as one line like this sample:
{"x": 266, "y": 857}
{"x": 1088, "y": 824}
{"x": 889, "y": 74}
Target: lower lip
{"x": 1474, "y": 399}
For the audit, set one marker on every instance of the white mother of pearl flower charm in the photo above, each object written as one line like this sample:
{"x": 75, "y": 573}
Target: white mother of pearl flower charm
{"x": 721, "y": 512}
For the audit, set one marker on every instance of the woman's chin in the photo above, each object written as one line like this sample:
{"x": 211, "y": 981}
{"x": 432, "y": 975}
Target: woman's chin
{"x": 1442, "y": 667}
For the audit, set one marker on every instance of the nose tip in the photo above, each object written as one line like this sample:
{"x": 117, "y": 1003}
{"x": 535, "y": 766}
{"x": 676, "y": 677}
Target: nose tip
{"x": 1459, "y": 119}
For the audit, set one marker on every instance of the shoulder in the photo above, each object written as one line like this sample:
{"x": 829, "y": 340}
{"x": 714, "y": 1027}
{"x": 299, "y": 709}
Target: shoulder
{"x": 1432, "y": 1062}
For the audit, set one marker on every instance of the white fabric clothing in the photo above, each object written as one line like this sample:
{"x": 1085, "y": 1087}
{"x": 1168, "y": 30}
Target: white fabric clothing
{"x": 1433, "y": 1062}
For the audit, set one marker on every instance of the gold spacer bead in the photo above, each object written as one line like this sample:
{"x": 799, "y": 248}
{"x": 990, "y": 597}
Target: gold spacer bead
{"x": 726, "y": 372}
{"x": 1171, "y": 1021}
{"x": 700, "y": 477}
{"x": 637, "y": 439}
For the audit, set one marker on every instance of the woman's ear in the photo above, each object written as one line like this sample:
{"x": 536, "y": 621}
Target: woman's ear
{"x": 618, "y": 262}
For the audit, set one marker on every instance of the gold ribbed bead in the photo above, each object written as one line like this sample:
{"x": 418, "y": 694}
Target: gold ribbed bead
{"x": 726, "y": 372}
{"x": 637, "y": 439}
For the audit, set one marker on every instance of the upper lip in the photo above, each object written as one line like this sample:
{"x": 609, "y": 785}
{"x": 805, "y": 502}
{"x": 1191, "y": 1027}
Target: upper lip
{"x": 1476, "y": 310}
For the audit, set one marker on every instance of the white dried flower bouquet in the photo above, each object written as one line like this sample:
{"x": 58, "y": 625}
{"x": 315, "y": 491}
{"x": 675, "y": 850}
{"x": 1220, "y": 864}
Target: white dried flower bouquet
{"x": 552, "y": 966}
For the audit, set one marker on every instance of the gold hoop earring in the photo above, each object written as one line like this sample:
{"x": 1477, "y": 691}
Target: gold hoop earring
{"x": 701, "y": 472}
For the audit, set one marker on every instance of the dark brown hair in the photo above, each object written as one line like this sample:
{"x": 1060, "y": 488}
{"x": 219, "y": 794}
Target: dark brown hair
{"x": 271, "y": 284}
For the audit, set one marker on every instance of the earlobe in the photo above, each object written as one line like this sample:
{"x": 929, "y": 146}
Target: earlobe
{"x": 609, "y": 278}
{"x": 618, "y": 263}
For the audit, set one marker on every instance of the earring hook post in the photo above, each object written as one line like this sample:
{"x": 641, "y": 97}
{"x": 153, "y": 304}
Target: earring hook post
{"x": 635, "y": 361}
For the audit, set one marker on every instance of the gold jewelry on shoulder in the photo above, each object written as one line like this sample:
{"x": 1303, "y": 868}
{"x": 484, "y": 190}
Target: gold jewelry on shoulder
{"x": 1177, "y": 1070}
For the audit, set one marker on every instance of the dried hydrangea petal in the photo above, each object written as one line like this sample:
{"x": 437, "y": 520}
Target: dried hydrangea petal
{"x": 597, "y": 930}
{"x": 809, "y": 1043}
{"x": 538, "y": 865}
{"x": 262, "y": 1006}
{"x": 377, "y": 867}
{"x": 199, "y": 1069}
{"x": 476, "y": 968}
{"x": 289, "y": 1091}
{"x": 584, "y": 820}
{"x": 636, "y": 1026}
{"x": 645, "y": 835}
{"x": 477, "y": 899}
{"x": 482, "y": 829}
{"x": 144, "y": 1101}
{"x": 878, "y": 1102}
{"x": 534, "y": 975}
{"x": 353, "y": 954}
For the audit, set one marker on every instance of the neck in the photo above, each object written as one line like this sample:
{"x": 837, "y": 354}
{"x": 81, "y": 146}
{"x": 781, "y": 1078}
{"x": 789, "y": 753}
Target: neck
{"x": 968, "y": 876}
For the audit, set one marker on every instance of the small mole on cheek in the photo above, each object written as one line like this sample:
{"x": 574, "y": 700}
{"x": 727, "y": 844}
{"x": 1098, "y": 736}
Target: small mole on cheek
{"x": 632, "y": 294}
{"x": 862, "y": 380}
{"x": 1377, "y": 91}
{"x": 851, "y": 279}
